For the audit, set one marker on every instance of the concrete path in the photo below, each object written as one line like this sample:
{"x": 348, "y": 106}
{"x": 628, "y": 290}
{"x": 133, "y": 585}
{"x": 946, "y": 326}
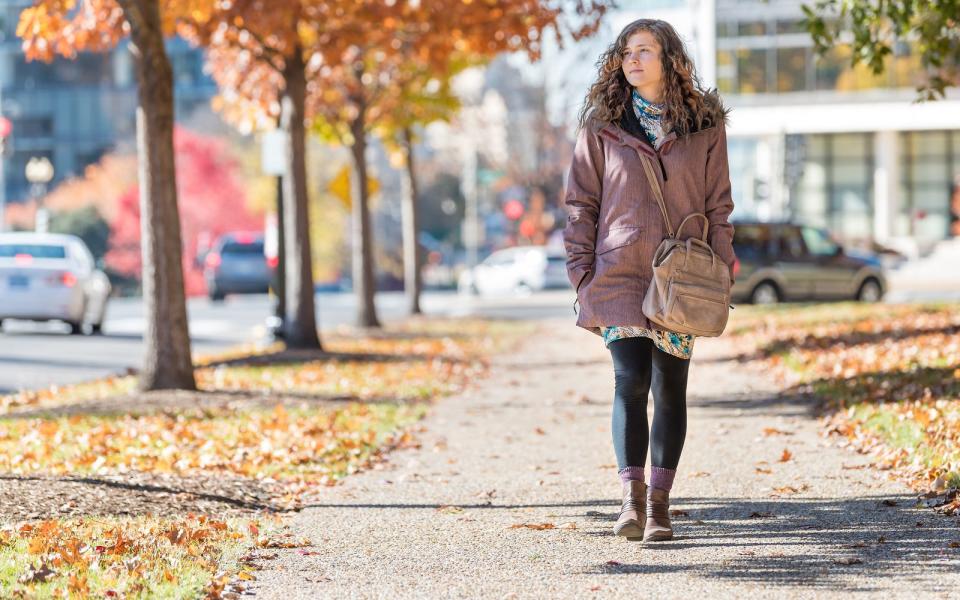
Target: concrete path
{"x": 531, "y": 445}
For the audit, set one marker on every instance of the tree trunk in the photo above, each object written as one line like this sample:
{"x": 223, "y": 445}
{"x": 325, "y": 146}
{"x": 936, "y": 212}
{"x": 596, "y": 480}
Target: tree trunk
{"x": 412, "y": 285}
{"x": 167, "y": 362}
{"x": 280, "y": 310}
{"x": 300, "y": 322}
{"x": 363, "y": 281}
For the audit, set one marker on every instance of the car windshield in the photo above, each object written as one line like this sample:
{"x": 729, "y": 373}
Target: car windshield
{"x": 238, "y": 248}
{"x": 751, "y": 241}
{"x": 818, "y": 242}
{"x": 34, "y": 250}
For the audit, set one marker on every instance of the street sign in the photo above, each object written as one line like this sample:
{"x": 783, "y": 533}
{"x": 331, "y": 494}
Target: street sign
{"x": 273, "y": 152}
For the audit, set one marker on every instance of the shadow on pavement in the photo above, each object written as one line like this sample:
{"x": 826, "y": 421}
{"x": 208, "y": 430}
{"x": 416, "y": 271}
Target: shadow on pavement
{"x": 826, "y": 543}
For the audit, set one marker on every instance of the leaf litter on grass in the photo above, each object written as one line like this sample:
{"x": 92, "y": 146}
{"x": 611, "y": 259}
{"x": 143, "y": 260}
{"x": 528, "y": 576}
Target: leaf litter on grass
{"x": 336, "y": 413}
{"x": 888, "y": 377}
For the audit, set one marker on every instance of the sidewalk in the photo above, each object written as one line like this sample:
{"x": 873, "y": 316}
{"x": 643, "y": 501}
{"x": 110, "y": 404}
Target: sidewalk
{"x": 531, "y": 445}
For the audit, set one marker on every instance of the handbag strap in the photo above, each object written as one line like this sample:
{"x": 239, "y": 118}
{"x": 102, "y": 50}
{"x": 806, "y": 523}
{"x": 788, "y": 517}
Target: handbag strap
{"x": 648, "y": 169}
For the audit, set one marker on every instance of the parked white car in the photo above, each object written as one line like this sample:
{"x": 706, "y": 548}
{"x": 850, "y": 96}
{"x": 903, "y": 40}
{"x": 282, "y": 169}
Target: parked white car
{"x": 49, "y": 276}
{"x": 519, "y": 270}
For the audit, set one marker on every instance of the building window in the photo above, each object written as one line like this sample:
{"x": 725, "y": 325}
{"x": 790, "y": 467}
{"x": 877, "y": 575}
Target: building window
{"x": 746, "y": 28}
{"x": 791, "y": 69}
{"x": 752, "y": 71}
{"x": 930, "y": 164}
{"x": 31, "y": 127}
{"x": 726, "y": 71}
{"x": 836, "y": 188}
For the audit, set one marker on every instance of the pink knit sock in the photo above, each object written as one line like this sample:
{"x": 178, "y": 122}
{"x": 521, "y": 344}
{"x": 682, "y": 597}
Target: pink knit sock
{"x": 631, "y": 473}
{"x": 662, "y": 478}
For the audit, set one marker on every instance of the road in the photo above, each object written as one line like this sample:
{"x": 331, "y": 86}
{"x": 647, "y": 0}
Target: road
{"x": 36, "y": 355}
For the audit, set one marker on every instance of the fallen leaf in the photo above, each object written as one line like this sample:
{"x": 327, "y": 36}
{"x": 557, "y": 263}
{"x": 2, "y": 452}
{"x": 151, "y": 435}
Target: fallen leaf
{"x": 539, "y": 430}
{"x": 768, "y": 431}
{"x": 847, "y": 560}
{"x": 889, "y": 502}
{"x": 533, "y": 526}
{"x": 39, "y": 574}
{"x": 679, "y": 513}
{"x": 787, "y": 455}
{"x": 760, "y": 515}
{"x": 614, "y": 563}
{"x": 762, "y": 470}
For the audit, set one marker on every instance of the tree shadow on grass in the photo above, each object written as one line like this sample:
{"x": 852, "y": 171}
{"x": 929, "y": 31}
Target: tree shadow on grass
{"x": 284, "y": 358}
{"x": 847, "y": 339}
{"x": 182, "y": 401}
{"x": 878, "y": 387}
{"x": 131, "y": 494}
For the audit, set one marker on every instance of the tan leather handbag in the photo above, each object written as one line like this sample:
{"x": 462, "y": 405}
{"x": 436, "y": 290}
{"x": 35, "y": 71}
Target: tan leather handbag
{"x": 690, "y": 289}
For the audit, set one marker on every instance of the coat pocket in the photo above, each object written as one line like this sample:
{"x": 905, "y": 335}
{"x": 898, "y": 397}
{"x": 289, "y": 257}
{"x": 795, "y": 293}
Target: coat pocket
{"x": 617, "y": 237}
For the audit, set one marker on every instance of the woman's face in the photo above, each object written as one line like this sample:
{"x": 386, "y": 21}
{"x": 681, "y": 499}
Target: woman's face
{"x": 641, "y": 64}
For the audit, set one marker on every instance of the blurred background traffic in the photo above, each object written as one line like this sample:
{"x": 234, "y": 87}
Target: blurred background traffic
{"x": 844, "y": 186}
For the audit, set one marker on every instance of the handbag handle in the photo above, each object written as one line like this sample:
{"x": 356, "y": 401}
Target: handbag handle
{"x": 648, "y": 169}
{"x": 706, "y": 224}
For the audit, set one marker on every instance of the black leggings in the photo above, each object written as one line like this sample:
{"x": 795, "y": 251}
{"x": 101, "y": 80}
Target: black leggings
{"x": 636, "y": 364}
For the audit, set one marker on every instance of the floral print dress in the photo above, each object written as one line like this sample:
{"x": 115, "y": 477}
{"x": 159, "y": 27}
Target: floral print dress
{"x": 675, "y": 344}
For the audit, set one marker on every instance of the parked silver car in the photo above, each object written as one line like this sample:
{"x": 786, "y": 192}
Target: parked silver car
{"x": 789, "y": 261}
{"x": 517, "y": 270}
{"x": 48, "y": 276}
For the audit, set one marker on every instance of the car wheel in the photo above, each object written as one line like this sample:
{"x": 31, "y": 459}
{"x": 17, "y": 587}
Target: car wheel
{"x": 216, "y": 296}
{"x": 765, "y": 293}
{"x": 75, "y": 328}
{"x": 1, "y": 324}
{"x": 869, "y": 291}
{"x": 96, "y": 329}
{"x": 523, "y": 289}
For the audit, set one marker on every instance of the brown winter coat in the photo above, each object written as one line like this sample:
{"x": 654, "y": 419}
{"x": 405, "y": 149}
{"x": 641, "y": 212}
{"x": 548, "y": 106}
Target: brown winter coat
{"x": 614, "y": 224}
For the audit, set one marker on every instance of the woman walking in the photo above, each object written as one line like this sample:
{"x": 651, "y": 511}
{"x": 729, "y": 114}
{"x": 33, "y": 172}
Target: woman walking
{"x": 647, "y": 100}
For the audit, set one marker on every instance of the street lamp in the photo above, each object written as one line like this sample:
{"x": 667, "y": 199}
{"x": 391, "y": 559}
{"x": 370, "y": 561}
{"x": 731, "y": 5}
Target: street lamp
{"x": 39, "y": 173}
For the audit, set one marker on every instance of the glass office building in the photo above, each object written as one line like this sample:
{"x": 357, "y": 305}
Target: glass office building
{"x": 815, "y": 139}
{"x": 73, "y": 111}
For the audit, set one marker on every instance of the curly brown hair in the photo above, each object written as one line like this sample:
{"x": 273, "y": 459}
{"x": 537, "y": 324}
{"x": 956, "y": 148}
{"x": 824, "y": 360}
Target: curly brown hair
{"x": 687, "y": 106}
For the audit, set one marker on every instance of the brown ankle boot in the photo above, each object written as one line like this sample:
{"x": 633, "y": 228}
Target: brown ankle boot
{"x": 632, "y": 511}
{"x": 658, "y": 516}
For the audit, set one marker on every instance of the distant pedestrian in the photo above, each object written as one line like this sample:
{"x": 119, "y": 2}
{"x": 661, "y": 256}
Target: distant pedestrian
{"x": 647, "y": 99}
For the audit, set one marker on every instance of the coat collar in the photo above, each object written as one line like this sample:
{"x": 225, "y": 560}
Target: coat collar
{"x": 616, "y": 133}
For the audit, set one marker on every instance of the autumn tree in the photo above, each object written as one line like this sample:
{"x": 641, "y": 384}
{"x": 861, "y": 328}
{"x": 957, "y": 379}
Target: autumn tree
{"x": 335, "y": 64}
{"x": 872, "y": 29}
{"x": 425, "y": 96}
{"x": 259, "y": 53}
{"x": 63, "y": 27}
{"x": 381, "y": 72}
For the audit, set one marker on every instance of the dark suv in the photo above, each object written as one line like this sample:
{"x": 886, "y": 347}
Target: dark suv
{"x": 237, "y": 265}
{"x": 788, "y": 261}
